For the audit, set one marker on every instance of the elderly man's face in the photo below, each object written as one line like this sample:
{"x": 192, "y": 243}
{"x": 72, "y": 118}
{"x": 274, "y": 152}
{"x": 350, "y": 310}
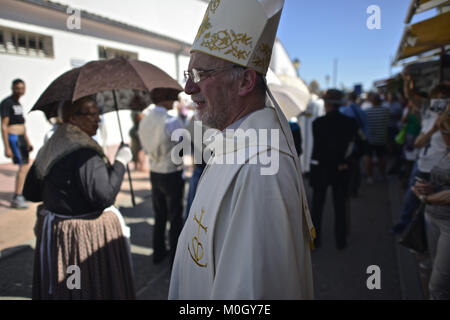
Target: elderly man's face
{"x": 215, "y": 93}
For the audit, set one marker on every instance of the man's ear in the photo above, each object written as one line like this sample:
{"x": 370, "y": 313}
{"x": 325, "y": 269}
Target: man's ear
{"x": 247, "y": 83}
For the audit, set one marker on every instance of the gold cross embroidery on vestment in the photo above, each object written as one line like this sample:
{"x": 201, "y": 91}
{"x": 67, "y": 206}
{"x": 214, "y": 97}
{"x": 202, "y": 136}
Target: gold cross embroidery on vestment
{"x": 198, "y": 252}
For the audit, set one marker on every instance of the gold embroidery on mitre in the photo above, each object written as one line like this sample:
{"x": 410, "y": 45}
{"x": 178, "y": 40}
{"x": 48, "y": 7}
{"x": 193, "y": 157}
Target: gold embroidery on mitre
{"x": 206, "y": 23}
{"x": 198, "y": 251}
{"x": 263, "y": 58}
{"x": 214, "y": 4}
{"x": 230, "y": 41}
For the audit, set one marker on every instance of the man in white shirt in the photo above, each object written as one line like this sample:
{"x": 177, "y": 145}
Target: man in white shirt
{"x": 314, "y": 109}
{"x": 166, "y": 178}
{"x": 248, "y": 232}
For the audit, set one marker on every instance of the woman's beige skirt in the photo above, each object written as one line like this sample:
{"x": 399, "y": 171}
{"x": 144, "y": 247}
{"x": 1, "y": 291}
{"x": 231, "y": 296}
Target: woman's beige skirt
{"x": 89, "y": 259}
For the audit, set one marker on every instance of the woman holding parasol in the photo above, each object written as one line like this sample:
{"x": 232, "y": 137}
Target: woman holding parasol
{"x": 77, "y": 225}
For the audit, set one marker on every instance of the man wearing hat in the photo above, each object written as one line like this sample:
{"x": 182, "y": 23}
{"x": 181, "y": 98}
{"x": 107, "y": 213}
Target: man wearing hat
{"x": 334, "y": 135}
{"x": 248, "y": 233}
{"x": 166, "y": 177}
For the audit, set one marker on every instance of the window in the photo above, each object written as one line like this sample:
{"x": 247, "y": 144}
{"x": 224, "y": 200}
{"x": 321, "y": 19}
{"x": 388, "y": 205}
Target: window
{"x": 25, "y": 43}
{"x": 109, "y": 53}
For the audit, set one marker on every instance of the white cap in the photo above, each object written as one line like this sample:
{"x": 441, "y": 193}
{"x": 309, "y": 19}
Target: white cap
{"x": 240, "y": 31}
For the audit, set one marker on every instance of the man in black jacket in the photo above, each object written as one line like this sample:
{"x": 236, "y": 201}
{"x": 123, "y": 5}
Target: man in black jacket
{"x": 333, "y": 135}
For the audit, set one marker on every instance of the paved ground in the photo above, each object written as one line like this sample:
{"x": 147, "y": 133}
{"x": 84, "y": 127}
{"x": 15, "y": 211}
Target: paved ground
{"x": 337, "y": 274}
{"x": 17, "y": 240}
{"x": 343, "y": 274}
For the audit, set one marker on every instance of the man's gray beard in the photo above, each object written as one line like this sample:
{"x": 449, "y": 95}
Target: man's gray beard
{"x": 216, "y": 119}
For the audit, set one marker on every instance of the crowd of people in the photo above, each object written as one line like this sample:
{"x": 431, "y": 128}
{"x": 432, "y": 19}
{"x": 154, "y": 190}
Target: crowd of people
{"x": 409, "y": 128}
{"x": 355, "y": 132}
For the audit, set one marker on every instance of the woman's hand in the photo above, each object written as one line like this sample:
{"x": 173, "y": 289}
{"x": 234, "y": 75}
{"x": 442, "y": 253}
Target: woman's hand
{"x": 124, "y": 154}
{"x": 422, "y": 189}
{"x": 408, "y": 80}
{"x": 437, "y": 124}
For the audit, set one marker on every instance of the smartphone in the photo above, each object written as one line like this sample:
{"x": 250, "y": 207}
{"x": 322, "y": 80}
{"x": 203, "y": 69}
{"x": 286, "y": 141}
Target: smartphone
{"x": 421, "y": 180}
{"x": 439, "y": 105}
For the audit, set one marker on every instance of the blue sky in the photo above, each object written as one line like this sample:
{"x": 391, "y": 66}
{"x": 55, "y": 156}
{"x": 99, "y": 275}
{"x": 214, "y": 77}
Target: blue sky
{"x": 319, "y": 31}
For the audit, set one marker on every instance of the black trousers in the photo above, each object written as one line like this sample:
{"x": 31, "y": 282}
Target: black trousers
{"x": 167, "y": 196}
{"x": 354, "y": 175}
{"x": 338, "y": 180}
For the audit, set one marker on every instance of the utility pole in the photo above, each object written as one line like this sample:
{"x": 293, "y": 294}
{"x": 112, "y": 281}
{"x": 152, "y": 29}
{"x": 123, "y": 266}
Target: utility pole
{"x": 335, "y": 72}
{"x": 296, "y": 63}
{"x": 391, "y": 60}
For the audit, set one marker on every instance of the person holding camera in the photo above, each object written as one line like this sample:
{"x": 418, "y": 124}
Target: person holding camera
{"x": 432, "y": 149}
{"x": 436, "y": 196}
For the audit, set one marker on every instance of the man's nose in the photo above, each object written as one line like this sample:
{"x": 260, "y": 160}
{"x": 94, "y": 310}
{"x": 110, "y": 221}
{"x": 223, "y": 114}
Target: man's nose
{"x": 191, "y": 87}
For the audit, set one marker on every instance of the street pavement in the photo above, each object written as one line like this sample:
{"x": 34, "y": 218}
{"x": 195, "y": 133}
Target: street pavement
{"x": 343, "y": 274}
{"x": 337, "y": 274}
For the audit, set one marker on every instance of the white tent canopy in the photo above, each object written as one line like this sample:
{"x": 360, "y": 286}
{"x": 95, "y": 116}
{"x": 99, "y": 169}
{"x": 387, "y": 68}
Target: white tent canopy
{"x": 302, "y": 92}
{"x": 290, "y": 92}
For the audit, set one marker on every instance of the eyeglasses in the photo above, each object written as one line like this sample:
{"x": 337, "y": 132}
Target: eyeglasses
{"x": 439, "y": 105}
{"x": 199, "y": 75}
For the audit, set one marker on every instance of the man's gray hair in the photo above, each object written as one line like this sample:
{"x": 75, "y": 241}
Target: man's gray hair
{"x": 238, "y": 72}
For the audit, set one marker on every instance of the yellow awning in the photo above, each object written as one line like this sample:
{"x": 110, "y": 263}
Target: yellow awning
{"x": 424, "y": 36}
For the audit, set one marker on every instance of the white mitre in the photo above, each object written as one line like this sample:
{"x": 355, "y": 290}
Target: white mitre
{"x": 240, "y": 31}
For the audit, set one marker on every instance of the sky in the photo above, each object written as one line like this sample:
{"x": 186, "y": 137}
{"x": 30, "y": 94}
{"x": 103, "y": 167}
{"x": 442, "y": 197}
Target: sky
{"x": 319, "y": 32}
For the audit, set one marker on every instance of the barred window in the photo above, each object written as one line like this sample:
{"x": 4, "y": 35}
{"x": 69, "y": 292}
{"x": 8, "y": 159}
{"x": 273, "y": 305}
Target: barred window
{"x": 13, "y": 41}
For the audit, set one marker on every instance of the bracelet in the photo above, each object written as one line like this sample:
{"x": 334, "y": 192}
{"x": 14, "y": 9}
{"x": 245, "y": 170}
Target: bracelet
{"x": 423, "y": 199}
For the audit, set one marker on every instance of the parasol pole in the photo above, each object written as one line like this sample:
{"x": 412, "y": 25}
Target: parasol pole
{"x": 121, "y": 137}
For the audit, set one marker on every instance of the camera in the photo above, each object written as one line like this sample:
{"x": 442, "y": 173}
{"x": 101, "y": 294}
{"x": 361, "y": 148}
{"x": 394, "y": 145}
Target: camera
{"x": 438, "y": 105}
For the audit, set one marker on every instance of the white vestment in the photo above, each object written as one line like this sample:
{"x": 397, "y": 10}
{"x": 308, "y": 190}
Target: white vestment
{"x": 314, "y": 110}
{"x": 247, "y": 234}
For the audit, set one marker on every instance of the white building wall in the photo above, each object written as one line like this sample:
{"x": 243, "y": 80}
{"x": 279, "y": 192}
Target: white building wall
{"x": 178, "y": 19}
{"x": 68, "y": 46}
{"x": 38, "y": 73}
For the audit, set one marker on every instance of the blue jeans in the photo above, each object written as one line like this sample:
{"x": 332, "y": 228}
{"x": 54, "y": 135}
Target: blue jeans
{"x": 411, "y": 202}
{"x": 19, "y": 149}
{"x": 438, "y": 236}
{"x": 192, "y": 189}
